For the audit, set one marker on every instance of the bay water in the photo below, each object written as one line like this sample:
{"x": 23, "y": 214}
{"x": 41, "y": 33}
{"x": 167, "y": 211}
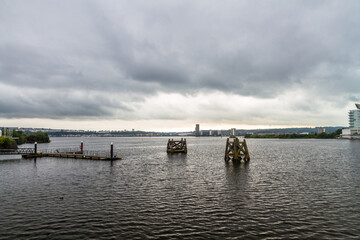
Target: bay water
{"x": 301, "y": 188}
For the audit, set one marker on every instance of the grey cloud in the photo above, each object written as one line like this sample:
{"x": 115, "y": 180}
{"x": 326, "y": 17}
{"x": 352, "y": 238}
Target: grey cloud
{"x": 56, "y": 105}
{"x": 138, "y": 48}
{"x": 354, "y": 98}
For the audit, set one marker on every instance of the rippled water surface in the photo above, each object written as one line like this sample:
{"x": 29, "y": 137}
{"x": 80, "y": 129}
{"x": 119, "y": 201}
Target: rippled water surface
{"x": 306, "y": 189}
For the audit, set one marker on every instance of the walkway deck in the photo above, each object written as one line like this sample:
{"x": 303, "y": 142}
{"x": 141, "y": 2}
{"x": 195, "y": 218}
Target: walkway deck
{"x": 62, "y": 153}
{"x": 71, "y": 155}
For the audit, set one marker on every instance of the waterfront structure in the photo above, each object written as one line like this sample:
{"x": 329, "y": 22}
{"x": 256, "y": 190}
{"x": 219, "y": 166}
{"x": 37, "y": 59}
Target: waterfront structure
{"x": 321, "y": 130}
{"x": 66, "y": 153}
{"x": 353, "y": 132}
{"x": 176, "y": 146}
{"x": 233, "y": 132}
{"x": 236, "y": 150}
{"x": 345, "y": 133}
{"x": 197, "y": 130}
{"x": 354, "y": 120}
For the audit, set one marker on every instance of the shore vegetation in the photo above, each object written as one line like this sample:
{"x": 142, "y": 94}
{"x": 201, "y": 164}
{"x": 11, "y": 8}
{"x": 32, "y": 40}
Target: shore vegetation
{"x": 323, "y": 135}
{"x": 21, "y": 137}
{"x": 7, "y": 143}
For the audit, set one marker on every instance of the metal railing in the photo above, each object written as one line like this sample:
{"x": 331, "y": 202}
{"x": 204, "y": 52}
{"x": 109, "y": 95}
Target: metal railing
{"x": 16, "y": 151}
{"x": 102, "y": 153}
{"x": 60, "y": 150}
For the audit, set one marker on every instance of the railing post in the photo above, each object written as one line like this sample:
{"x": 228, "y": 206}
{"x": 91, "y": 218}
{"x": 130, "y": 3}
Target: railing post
{"x": 82, "y": 147}
{"x": 111, "y": 151}
{"x": 35, "y": 148}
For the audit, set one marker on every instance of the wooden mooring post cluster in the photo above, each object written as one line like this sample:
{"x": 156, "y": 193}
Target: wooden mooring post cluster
{"x": 236, "y": 150}
{"x": 178, "y": 146}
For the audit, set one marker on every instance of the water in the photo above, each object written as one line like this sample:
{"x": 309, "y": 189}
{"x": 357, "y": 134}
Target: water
{"x": 306, "y": 189}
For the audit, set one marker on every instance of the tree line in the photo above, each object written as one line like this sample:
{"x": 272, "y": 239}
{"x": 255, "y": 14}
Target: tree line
{"x": 7, "y": 143}
{"x": 19, "y": 137}
{"x": 323, "y": 135}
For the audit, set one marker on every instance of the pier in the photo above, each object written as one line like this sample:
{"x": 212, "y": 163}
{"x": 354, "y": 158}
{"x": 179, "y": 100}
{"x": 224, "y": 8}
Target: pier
{"x": 178, "y": 146}
{"x": 64, "y": 153}
{"x": 236, "y": 150}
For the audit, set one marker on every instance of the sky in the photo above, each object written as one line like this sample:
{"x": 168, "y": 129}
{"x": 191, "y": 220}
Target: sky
{"x": 167, "y": 65}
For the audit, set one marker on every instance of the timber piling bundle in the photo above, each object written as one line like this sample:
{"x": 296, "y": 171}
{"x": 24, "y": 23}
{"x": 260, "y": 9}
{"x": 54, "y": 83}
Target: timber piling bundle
{"x": 236, "y": 150}
{"x": 177, "y": 146}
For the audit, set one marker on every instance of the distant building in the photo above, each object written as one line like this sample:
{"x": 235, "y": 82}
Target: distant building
{"x": 205, "y": 133}
{"x": 233, "y": 131}
{"x": 304, "y": 133}
{"x": 353, "y": 132}
{"x": 321, "y": 130}
{"x": 346, "y": 133}
{"x": 197, "y": 130}
{"x": 0, "y": 133}
{"x": 214, "y": 132}
{"x": 354, "y": 120}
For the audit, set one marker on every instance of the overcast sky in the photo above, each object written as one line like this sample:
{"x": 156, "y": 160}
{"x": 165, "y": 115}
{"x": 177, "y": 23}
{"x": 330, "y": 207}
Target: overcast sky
{"x": 166, "y": 65}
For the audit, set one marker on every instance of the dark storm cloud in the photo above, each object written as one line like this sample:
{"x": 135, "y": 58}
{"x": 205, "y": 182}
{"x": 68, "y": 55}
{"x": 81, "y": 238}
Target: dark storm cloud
{"x": 54, "y": 104}
{"x": 136, "y": 49}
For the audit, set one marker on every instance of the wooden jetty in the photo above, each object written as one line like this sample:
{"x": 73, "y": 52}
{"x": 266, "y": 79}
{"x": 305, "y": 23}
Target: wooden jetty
{"x": 178, "y": 146}
{"x": 71, "y": 155}
{"x": 68, "y": 153}
{"x": 236, "y": 149}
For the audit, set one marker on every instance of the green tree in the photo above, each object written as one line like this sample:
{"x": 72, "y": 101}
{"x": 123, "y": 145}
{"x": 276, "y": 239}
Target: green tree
{"x": 39, "y": 137}
{"x": 7, "y": 143}
{"x": 248, "y": 135}
{"x": 19, "y": 137}
{"x": 338, "y": 132}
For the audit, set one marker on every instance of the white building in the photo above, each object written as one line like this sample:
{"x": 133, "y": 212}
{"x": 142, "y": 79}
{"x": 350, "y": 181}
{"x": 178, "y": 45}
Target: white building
{"x": 0, "y": 133}
{"x": 346, "y": 133}
{"x": 354, "y": 120}
{"x": 321, "y": 130}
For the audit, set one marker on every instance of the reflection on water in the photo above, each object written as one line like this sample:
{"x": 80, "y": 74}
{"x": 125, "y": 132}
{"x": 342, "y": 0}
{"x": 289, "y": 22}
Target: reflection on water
{"x": 289, "y": 189}
{"x": 237, "y": 172}
{"x": 177, "y": 157}
{"x": 355, "y": 150}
